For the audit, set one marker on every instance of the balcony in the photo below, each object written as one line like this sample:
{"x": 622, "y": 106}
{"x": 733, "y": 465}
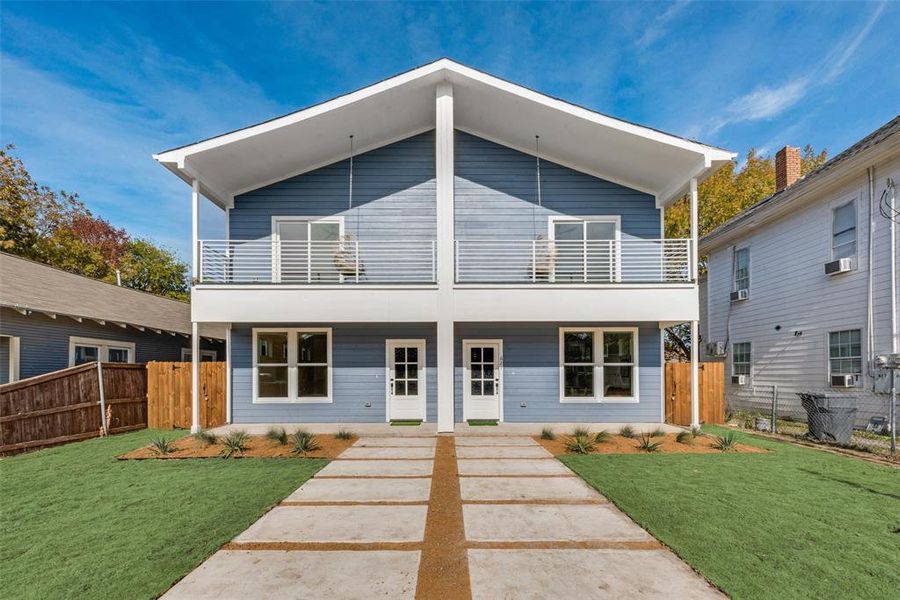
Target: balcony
{"x": 568, "y": 262}
{"x": 331, "y": 262}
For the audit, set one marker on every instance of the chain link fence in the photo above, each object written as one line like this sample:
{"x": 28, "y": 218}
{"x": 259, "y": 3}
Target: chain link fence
{"x": 856, "y": 419}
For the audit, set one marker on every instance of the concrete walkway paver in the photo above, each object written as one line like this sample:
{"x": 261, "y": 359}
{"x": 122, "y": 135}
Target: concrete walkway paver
{"x": 338, "y": 524}
{"x": 549, "y": 523}
{"x": 526, "y": 488}
{"x": 377, "y": 468}
{"x": 411, "y": 453}
{"x": 512, "y": 466}
{"x": 502, "y": 452}
{"x": 398, "y": 489}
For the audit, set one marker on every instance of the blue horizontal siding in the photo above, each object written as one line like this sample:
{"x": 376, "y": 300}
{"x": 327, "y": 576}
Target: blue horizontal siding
{"x": 531, "y": 375}
{"x": 496, "y": 195}
{"x": 358, "y": 355}
{"x": 44, "y": 343}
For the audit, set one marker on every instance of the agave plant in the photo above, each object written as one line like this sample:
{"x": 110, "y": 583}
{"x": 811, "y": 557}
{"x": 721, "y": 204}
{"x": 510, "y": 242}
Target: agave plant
{"x": 304, "y": 442}
{"x": 725, "y": 443}
{"x": 601, "y": 436}
{"x": 234, "y": 444}
{"x": 277, "y": 434}
{"x": 580, "y": 444}
{"x": 547, "y": 434}
{"x": 685, "y": 437}
{"x": 344, "y": 434}
{"x": 627, "y": 432}
{"x": 647, "y": 444}
{"x": 581, "y": 431}
{"x": 161, "y": 445}
{"x": 205, "y": 437}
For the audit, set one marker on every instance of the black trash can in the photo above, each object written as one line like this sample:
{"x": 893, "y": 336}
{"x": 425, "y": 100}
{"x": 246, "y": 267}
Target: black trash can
{"x": 830, "y": 418}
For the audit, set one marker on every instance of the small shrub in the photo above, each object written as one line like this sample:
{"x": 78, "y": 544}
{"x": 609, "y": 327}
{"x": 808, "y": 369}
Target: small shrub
{"x": 685, "y": 437}
{"x": 205, "y": 437}
{"x": 627, "y": 432}
{"x": 725, "y": 443}
{"x": 580, "y": 444}
{"x": 601, "y": 436}
{"x": 234, "y": 444}
{"x": 647, "y": 444}
{"x": 277, "y": 434}
{"x": 658, "y": 432}
{"x": 581, "y": 431}
{"x": 547, "y": 434}
{"x": 344, "y": 434}
{"x": 696, "y": 431}
{"x": 304, "y": 442}
{"x": 161, "y": 445}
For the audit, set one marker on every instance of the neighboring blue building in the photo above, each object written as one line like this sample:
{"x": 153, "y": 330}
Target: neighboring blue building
{"x": 51, "y": 319}
{"x": 445, "y": 246}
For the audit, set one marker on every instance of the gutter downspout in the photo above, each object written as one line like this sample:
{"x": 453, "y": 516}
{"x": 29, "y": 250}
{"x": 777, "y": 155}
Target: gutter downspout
{"x": 895, "y": 339}
{"x": 870, "y": 318}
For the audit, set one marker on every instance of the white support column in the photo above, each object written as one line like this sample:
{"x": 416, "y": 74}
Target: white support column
{"x": 195, "y": 377}
{"x": 695, "y": 376}
{"x": 445, "y": 252}
{"x": 694, "y": 228}
{"x": 195, "y": 229}
{"x": 228, "y": 374}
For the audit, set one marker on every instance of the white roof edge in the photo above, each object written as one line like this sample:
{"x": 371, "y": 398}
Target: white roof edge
{"x": 178, "y": 155}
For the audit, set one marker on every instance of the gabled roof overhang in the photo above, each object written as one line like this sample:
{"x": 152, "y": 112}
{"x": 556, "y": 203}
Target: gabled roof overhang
{"x": 638, "y": 157}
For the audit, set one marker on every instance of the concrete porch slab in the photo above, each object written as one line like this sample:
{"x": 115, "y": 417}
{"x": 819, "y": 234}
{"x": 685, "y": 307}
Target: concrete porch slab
{"x": 494, "y": 440}
{"x": 526, "y": 488}
{"x": 301, "y": 575}
{"x": 548, "y": 522}
{"x": 502, "y": 452}
{"x": 529, "y": 429}
{"x": 338, "y": 524}
{"x": 413, "y": 452}
{"x": 510, "y": 466}
{"x": 377, "y": 468}
{"x": 361, "y": 429}
{"x": 363, "y": 490}
{"x": 377, "y": 442}
{"x": 539, "y": 574}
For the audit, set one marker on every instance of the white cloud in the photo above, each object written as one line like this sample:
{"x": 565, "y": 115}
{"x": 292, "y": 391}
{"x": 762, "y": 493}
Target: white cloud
{"x": 765, "y": 102}
{"x": 659, "y": 27}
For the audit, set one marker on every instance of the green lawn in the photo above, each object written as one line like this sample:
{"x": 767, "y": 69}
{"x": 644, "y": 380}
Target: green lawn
{"x": 77, "y": 523}
{"x": 794, "y": 523}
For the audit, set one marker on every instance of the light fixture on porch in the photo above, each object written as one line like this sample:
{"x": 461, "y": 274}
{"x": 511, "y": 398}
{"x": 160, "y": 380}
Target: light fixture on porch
{"x": 544, "y": 253}
{"x": 346, "y": 254}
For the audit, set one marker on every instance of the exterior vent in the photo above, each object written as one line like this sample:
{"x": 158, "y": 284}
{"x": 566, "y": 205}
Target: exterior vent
{"x": 841, "y": 265}
{"x": 740, "y": 295}
{"x": 844, "y": 381}
{"x": 739, "y": 379}
{"x": 715, "y": 349}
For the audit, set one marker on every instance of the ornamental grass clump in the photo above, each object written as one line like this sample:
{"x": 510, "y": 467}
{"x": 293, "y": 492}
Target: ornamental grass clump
{"x": 304, "y": 442}
{"x": 580, "y": 444}
{"x": 647, "y": 444}
{"x": 344, "y": 434}
{"x": 658, "y": 432}
{"x": 725, "y": 443}
{"x": 161, "y": 445}
{"x": 601, "y": 436}
{"x": 547, "y": 434}
{"x": 627, "y": 432}
{"x": 205, "y": 437}
{"x": 685, "y": 437}
{"x": 278, "y": 434}
{"x": 581, "y": 431}
{"x": 234, "y": 444}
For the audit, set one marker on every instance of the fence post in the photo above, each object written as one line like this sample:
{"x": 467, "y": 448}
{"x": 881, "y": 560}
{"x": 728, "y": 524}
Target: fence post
{"x": 774, "y": 409}
{"x": 102, "y": 398}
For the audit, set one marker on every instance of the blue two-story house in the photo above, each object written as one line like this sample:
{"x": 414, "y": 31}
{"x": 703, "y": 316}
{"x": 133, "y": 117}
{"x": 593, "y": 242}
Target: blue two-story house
{"x": 444, "y": 246}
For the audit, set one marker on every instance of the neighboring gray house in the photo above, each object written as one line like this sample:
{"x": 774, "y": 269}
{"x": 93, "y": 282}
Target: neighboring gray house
{"x": 800, "y": 291}
{"x": 444, "y": 246}
{"x": 51, "y": 319}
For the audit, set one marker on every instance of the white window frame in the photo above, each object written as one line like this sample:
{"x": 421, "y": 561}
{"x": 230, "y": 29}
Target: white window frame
{"x": 293, "y": 366}
{"x": 734, "y": 265}
{"x": 276, "y": 236}
{"x": 834, "y": 208}
{"x": 103, "y": 347}
{"x": 598, "y": 397}
{"x": 185, "y": 352}
{"x": 862, "y": 370}
{"x": 749, "y": 363}
{"x": 614, "y": 219}
{"x": 14, "y": 350}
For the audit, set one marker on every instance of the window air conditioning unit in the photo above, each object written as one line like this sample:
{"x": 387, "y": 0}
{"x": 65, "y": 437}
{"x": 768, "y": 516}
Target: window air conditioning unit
{"x": 715, "y": 349}
{"x": 740, "y": 295}
{"x": 841, "y": 265}
{"x": 844, "y": 381}
{"x": 739, "y": 379}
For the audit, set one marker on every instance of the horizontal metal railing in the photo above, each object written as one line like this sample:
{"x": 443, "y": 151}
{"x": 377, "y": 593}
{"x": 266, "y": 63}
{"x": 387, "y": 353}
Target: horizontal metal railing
{"x": 573, "y": 261}
{"x": 318, "y": 262}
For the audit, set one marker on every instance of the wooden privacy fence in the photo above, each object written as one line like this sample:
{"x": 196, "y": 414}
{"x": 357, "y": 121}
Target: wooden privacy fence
{"x": 72, "y": 404}
{"x": 678, "y": 393}
{"x": 169, "y": 394}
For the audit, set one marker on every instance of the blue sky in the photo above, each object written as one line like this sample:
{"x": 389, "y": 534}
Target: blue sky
{"x": 90, "y": 90}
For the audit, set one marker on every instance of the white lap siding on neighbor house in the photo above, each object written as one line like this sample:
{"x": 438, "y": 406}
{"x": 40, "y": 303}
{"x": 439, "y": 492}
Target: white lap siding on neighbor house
{"x": 789, "y": 288}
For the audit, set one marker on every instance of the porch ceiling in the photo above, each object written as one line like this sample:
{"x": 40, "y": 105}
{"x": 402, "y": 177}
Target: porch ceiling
{"x": 639, "y": 157}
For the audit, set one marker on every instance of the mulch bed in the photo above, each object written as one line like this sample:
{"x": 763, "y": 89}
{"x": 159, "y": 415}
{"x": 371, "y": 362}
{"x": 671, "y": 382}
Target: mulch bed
{"x": 257, "y": 447}
{"x": 617, "y": 444}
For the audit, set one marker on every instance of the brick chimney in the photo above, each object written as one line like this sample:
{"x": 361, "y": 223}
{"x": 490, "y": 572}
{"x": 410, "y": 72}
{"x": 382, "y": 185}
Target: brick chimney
{"x": 787, "y": 167}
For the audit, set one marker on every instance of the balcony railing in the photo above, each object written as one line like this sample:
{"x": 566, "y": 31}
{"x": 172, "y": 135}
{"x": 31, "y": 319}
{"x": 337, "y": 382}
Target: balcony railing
{"x": 351, "y": 262}
{"x": 573, "y": 261}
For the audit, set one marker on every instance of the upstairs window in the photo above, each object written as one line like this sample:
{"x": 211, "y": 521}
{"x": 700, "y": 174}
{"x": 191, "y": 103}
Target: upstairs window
{"x": 741, "y": 269}
{"x": 740, "y": 359}
{"x": 843, "y": 231}
{"x": 845, "y": 352}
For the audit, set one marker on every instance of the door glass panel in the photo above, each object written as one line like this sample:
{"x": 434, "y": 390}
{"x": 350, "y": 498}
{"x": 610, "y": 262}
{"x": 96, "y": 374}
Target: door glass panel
{"x": 488, "y": 387}
{"x": 293, "y": 251}
{"x": 568, "y": 230}
{"x": 399, "y": 354}
{"x": 476, "y": 354}
{"x": 412, "y": 371}
{"x": 599, "y": 230}
{"x": 476, "y": 371}
{"x": 476, "y": 387}
{"x": 488, "y": 371}
{"x": 324, "y": 236}
{"x": 399, "y": 371}
{"x": 400, "y": 387}
{"x": 86, "y": 354}
{"x": 412, "y": 354}
{"x": 488, "y": 355}
{"x": 569, "y": 265}
{"x": 412, "y": 388}
{"x": 600, "y": 251}
{"x": 406, "y": 371}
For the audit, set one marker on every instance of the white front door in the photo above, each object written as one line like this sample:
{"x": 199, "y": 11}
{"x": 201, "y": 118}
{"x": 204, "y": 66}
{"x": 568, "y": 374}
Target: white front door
{"x": 405, "y": 380}
{"x": 483, "y": 379}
